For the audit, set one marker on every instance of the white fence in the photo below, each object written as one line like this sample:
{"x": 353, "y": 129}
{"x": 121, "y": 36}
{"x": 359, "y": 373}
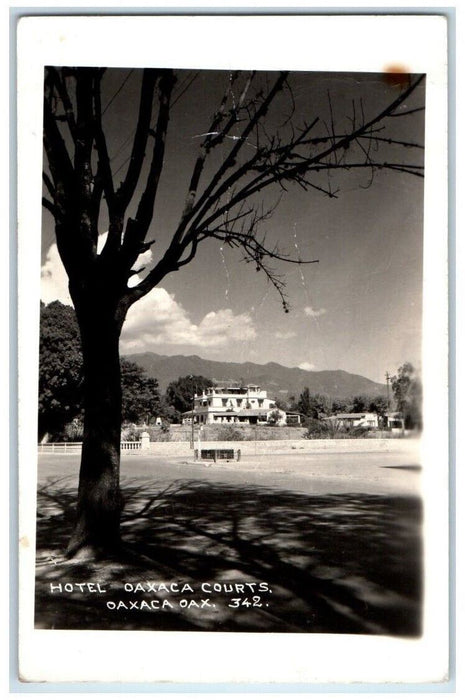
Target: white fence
{"x": 60, "y": 447}
{"x": 75, "y": 447}
{"x": 131, "y": 445}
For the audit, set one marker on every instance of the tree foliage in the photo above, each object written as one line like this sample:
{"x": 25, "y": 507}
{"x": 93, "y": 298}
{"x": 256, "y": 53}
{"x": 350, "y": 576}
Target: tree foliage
{"x": 378, "y": 404}
{"x": 61, "y": 377}
{"x": 316, "y": 404}
{"x": 274, "y": 417}
{"x": 141, "y": 397}
{"x": 282, "y": 404}
{"x": 311, "y": 405}
{"x": 407, "y": 390}
{"x": 180, "y": 392}
{"x": 359, "y": 404}
{"x": 60, "y": 368}
{"x": 362, "y": 404}
{"x": 341, "y": 406}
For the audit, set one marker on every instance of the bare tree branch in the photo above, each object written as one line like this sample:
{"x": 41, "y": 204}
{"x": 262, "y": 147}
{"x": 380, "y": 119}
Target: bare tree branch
{"x": 136, "y": 232}
{"x": 222, "y": 208}
{"x": 58, "y": 157}
{"x": 60, "y": 85}
{"x": 212, "y": 137}
{"x": 126, "y": 190}
{"x": 49, "y": 185}
{"x": 230, "y": 158}
{"x": 315, "y": 162}
{"x": 50, "y": 206}
{"x": 410, "y": 111}
{"x": 104, "y": 169}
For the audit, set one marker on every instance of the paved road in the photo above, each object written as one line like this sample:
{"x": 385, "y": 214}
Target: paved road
{"x": 372, "y": 473}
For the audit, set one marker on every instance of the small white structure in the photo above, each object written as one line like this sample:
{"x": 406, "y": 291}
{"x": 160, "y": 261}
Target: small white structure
{"x": 355, "y": 420}
{"x": 293, "y": 418}
{"x": 145, "y": 440}
{"x": 395, "y": 422}
{"x": 234, "y": 404}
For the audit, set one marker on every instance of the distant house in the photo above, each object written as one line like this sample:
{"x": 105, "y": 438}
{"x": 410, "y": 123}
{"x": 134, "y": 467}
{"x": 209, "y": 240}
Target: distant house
{"x": 248, "y": 405}
{"x": 354, "y": 420}
{"x": 394, "y": 422}
{"x": 294, "y": 418}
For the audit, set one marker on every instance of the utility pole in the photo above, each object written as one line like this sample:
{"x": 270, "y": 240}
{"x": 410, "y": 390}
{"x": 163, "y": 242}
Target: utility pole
{"x": 192, "y": 414}
{"x": 388, "y": 378}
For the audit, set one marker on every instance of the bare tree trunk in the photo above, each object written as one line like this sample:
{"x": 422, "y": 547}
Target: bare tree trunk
{"x": 99, "y": 505}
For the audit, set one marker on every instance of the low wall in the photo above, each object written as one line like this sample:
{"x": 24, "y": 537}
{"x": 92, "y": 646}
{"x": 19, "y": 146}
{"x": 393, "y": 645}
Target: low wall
{"x": 213, "y": 433}
{"x": 240, "y": 433}
{"x": 263, "y": 447}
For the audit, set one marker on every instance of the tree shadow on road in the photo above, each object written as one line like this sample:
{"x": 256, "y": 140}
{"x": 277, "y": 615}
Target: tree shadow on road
{"x": 349, "y": 563}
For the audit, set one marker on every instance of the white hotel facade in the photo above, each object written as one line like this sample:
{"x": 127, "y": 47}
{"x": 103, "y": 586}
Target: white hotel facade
{"x": 248, "y": 405}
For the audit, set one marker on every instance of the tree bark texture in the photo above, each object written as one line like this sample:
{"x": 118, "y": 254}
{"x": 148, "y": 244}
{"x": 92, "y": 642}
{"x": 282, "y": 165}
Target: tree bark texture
{"x": 100, "y": 502}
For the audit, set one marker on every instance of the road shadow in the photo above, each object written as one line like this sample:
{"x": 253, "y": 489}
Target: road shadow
{"x": 264, "y": 559}
{"x": 407, "y": 467}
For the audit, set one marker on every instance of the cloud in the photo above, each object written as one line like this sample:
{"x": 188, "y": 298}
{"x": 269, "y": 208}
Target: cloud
{"x": 307, "y": 366}
{"x": 156, "y": 318}
{"x": 159, "y": 319}
{"x": 285, "y": 335}
{"x": 143, "y": 260}
{"x": 53, "y": 279}
{"x": 313, "y": 313}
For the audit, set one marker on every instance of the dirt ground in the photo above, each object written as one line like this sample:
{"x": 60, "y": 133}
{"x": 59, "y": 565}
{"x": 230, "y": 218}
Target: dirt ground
{"x": 371, "y": 472}
{"x": 287, "y": 543}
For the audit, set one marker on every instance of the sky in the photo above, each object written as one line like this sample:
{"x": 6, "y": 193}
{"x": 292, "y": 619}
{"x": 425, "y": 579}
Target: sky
{"x": 358, "y": 309}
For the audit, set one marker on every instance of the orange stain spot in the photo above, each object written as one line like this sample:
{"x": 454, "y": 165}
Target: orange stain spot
{"x": 397, "y": 74}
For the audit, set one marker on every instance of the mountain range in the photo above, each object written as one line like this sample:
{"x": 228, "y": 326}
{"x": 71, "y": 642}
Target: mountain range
{"x": 279, "y": 381}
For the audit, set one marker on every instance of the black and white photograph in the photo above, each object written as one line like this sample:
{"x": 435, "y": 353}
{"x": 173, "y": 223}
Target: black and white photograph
{"x": 230, "y": 355}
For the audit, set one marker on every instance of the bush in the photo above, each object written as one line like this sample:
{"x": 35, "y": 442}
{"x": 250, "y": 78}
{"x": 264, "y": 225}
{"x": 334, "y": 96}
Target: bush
{"x": 228, "y": 433}
{"x": 130, "y": 432}
{"x": 314, "y": 425}
{"x": 358, "y": 432}
{"x": 321, "y": 430}
{"x": 72, "y": 432}
{"x": 316, "y": 429}
{"x": 274, "y": 418}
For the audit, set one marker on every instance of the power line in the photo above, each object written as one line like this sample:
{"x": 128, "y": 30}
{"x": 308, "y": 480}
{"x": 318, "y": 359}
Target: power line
{"x": 125, "y": 142}
{"x": 184, "y": 88}
{"x": 118, "y": 91}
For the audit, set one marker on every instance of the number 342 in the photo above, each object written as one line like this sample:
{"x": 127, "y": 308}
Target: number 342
{"x": 253, "y": 602}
